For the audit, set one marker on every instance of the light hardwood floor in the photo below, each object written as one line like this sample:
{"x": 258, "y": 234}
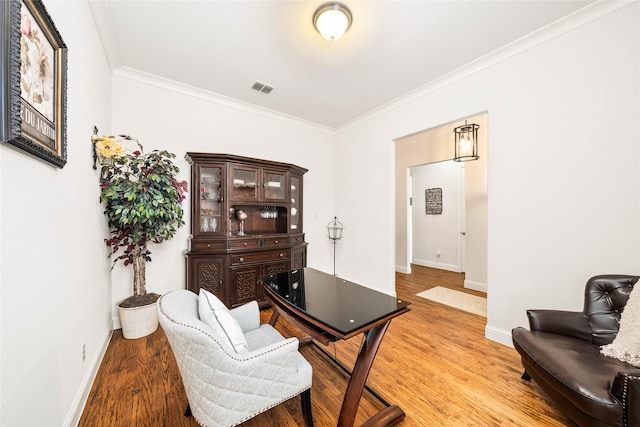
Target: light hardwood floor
{"x": 434, "y": 362}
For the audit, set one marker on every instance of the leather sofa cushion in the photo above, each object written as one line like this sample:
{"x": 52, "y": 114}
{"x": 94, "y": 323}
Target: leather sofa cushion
{"x": 576, "y": 369}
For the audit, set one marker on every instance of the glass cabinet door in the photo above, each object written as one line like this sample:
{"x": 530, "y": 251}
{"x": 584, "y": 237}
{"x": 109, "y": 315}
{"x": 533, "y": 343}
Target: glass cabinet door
{"x": 210, "y": 199}
{"x": 274, "y": 186}
{"x": 244, "y": 183}
{"x": 296, "y": 192}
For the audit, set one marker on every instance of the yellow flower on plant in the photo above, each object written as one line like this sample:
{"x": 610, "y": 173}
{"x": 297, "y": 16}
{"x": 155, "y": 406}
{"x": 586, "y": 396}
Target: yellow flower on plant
{"x": 108, "y": 147}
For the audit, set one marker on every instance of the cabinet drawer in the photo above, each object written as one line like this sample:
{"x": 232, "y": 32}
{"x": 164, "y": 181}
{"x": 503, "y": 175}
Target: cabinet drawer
{"x": 264, "y": 256}
{"x": 237, "y": 244}
{"x": 296, "y": 240}
{"x": 203, "y": 246}
{"x": 276, "y": 241}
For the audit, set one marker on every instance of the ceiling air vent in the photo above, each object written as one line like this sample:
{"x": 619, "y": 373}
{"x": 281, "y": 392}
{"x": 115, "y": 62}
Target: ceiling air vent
{"x": 262, "y": 87}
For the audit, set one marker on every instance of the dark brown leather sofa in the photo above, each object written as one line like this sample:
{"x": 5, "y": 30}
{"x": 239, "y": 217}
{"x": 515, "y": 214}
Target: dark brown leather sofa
{"x": 561, "y": 353}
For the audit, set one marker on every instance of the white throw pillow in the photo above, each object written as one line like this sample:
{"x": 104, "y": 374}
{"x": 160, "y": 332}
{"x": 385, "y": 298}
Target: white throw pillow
{"x": 215, "y": 314}
{"x": 626, "y": 345}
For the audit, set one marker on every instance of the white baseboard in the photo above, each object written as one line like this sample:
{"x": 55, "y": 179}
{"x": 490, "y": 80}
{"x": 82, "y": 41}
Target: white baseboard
{"x": 441, "y": 266}
{"x": 498, "y": 335}
{"x": 476, "y": 286}
{"x": 77, "y": 407}
{"x": 403, "y": 269}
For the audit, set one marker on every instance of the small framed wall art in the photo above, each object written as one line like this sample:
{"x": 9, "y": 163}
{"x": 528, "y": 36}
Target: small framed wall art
{"x": 33, "y": 81}
{"x": 433, "y": 201}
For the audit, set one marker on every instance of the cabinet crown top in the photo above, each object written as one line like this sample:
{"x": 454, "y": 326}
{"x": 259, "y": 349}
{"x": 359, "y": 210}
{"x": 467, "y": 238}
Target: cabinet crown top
{"x": 220, "y": 157}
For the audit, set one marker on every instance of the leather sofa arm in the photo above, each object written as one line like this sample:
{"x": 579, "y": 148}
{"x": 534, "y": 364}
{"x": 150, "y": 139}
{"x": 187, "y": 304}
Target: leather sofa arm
{"x": 626, "y": 388}
{"x": 570, "y": 323}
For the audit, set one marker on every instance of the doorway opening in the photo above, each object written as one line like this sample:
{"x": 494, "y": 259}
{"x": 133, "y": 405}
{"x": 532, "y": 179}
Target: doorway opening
{"x": 435, "y": 146}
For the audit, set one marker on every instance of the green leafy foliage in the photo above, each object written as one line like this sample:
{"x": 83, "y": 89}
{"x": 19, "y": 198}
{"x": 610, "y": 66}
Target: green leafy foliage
{"x": 143, "y": 203}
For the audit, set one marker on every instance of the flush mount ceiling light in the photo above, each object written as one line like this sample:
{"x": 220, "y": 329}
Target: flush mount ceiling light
{"x": 332, "y": 20}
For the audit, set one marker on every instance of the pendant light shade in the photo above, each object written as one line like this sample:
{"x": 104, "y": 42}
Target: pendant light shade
{"x": 466, "y": 142}
{"x": 334, "y": 229}
{"x": 332, "y": 20}
{"x": 334, "y": 232}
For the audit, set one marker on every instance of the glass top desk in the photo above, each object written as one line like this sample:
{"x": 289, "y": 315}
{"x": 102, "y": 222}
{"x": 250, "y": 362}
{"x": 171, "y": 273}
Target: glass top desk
{"x": 329, "y": 308}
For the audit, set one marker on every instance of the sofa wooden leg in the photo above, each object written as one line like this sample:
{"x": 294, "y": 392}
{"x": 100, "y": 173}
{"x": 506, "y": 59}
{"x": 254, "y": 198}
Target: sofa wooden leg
{"x": 525, "y": 376}
{"x": 305, "y": 400}
{"x": 187, "y": 412}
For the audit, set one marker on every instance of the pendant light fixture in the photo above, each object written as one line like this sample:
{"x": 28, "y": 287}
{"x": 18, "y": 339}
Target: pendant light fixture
{"x": 332, "y": 20}
{"x": 466, "y": 142}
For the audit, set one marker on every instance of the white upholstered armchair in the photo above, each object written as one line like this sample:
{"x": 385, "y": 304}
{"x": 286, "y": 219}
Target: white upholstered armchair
{"x": 226, "y": 384}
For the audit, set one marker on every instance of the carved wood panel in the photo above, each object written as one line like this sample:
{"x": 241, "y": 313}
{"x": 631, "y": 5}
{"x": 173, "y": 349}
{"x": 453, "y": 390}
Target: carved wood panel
{"x": 209, "y": 277}
{"x": 246, "y": 281}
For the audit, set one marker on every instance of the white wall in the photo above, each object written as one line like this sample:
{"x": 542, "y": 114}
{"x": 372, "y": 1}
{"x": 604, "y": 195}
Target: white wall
{"x": 55, "y": 293}
{"x": 563, "y": 187}
{"x": 165, "y": 115}
{"x": 436, "y": 238}
{"x": 420, "y": 148}
{"x": 476, "y": 212}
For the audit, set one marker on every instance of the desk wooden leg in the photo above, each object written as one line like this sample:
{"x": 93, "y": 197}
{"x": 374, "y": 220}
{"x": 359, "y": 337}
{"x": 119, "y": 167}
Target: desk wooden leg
{"x": 274, "y": 317}
{"x": 306, "y": 340}
{"x": 361, "y": 369}
{"x": 387, "y": 417}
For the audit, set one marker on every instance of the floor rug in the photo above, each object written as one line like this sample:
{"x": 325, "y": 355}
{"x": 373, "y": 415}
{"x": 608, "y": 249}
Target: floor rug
{"x": 457, "y": 299}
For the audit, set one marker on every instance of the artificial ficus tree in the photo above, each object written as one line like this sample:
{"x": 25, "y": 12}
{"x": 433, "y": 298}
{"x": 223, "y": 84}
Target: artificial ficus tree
{"x": 143, "y": 204}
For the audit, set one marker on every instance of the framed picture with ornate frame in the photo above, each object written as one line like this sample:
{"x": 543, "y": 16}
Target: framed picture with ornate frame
{"x": 33, "y": 81}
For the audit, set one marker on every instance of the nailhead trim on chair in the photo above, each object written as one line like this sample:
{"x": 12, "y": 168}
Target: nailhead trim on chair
{"x": 625, "y": 390}
{"x": 233, "y": 356}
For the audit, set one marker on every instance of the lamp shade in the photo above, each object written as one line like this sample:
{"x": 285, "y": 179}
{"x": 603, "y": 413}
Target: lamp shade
{"x": 334, "y": 229}
{"x": 332, "y": 20}
{"x": 466, "y": 142}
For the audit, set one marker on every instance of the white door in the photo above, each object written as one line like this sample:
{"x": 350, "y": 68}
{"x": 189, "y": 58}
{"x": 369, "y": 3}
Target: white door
{"x": 437, "y": 215}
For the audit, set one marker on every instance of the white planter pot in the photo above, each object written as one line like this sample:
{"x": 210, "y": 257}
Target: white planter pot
{"x": 138, "y": 322}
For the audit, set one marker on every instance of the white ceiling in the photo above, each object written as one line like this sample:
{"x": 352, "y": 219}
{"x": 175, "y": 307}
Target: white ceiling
{"x": 392, "y": 48}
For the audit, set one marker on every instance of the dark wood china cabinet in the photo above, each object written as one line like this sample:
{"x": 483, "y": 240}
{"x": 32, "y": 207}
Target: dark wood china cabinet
{"x": 246, "y": 221}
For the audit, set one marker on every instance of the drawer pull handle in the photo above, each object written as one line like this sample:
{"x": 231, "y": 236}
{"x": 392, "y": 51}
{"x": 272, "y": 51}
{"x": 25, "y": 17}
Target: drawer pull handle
{"x": 244, "y": 244}
{"x": 209, "y": 245}
{"x": 281, "y": 255}
{"x": 241, "y": 259}
{"x": 275, "y": 241}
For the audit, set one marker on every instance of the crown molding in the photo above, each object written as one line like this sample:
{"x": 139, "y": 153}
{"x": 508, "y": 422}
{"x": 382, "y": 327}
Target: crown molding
{"x": 102, "y": 17}
{"x": 588, "y": 14}
{"x": 195, "y": 92}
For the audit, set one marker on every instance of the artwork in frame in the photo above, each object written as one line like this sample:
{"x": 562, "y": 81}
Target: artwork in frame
{"x": 433, "y": 201}
{"x": 33, "y": 81}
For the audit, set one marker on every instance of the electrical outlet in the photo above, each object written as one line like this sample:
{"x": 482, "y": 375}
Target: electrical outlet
{"x": 84, "y": 352}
